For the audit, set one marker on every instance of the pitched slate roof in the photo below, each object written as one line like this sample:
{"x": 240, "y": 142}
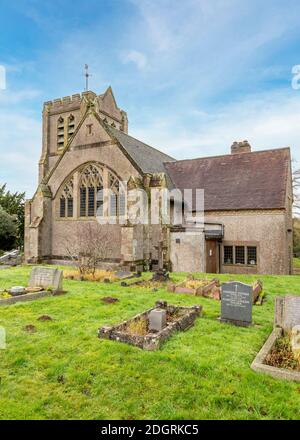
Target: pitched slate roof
{"x": 147, "y": 158}
{"x": 256, "y": 180}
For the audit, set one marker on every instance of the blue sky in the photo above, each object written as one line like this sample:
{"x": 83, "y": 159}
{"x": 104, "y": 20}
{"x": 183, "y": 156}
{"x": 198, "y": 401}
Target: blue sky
{"x": 193, "y": 75}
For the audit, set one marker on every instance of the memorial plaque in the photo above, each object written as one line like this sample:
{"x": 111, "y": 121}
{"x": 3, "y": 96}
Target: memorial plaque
{"x": 287, "y": 312}
{"x": 46, "y": 277}
{"x": 236, "y": 303}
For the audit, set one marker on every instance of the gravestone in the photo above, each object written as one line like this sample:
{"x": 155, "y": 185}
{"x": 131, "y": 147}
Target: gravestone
{"x": 46, "y": 277}
{"x": 160, "y": 274}
{"x": 287, "y": 312}
{"x": 123, "y": 274}
{"x": 157, "y": 320}
{"x": 236, "y": 303}
{"x": 295, "y": 342}
{"x": 17, "y": 290}
{"x": 11, "y": 258}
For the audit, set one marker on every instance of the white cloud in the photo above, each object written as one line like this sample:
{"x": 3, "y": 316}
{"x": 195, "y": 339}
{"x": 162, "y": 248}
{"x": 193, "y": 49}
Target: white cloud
{"x": 20, "y": 146}
{"x": 267, "y": 120}
{"x": 9, "y": 97}
{"x": 138, "y": 58}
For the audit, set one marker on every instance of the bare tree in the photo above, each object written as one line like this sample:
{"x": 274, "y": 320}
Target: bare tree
{"x": 91, "y": 245}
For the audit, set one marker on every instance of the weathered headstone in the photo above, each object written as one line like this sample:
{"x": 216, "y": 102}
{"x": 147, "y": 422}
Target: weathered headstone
{"x": 47, "y": 277}
{"x": 157, "y": 320}
{"x": 2, "y": 338}
{"x": 11, "y": 258}
{"x": 295, "y": 342}
{"x": 236, "y": 303}
{"x": 8, "y": 256}
{"x": 160, "y": 274}
{"x": 287, "y": 312}
{"x": 123, "y": 274}
{"x": 17, "y": 290}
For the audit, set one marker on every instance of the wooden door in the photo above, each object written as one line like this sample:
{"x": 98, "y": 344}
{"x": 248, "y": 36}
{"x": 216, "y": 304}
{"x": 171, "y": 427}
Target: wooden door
{"x": 211, "y": 256}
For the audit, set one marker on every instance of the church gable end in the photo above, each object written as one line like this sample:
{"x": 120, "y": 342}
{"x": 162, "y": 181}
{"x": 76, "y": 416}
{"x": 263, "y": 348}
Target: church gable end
{"x": 89, "y": 132}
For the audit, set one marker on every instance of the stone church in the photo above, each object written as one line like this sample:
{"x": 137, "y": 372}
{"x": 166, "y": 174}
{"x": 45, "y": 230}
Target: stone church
{"x": 86, "y": 147}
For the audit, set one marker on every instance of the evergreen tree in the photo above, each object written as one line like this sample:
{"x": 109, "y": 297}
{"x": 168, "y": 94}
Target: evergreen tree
{"x": 13, "y": 205}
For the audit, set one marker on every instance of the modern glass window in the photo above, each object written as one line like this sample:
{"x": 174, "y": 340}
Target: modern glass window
{"x": 228, "y": 254}
{"x": 252, "y": 255}
{"x": 239, "y": 255}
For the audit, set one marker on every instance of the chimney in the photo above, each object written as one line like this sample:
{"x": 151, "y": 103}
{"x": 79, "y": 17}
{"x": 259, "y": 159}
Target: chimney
{"x": 240, "y": 147}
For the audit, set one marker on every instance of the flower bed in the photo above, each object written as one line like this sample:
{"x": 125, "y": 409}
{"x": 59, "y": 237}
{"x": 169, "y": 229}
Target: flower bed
{"x": 275, "y": 358}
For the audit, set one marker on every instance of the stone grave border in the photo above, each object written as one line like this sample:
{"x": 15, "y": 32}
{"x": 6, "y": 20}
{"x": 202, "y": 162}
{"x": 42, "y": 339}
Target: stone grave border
{"x": 154, "y": 341}
{"x": 259, "y": 366}
{"x": 27, "y": 297}
{"x": 200, "y": 291}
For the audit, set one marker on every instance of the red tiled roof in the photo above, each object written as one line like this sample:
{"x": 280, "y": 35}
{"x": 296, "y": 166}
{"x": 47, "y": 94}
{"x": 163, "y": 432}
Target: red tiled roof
{"x": 256, "y": 180}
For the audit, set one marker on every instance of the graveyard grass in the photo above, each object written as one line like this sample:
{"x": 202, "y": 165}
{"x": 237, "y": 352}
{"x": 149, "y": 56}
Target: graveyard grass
{"x": 63, "y": 371}
{"x": 297, "y": 263}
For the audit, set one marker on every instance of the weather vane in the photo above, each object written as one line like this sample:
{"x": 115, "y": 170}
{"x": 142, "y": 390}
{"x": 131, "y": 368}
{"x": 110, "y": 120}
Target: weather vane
{"x": 87, "y": 75}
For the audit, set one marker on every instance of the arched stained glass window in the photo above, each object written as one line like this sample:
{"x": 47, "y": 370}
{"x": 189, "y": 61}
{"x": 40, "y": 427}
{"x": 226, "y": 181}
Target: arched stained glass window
{"x": 117, "y": 198}
{"x": 87, "y": 189}
{"x": 66, "y": 200}
{"x": 91, "y": 183}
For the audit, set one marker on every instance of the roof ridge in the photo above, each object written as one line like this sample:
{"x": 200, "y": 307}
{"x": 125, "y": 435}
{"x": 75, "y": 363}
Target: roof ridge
{"x": 230, "y": 155}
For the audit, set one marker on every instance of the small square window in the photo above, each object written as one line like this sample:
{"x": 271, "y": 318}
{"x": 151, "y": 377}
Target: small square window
{"x": 252, "y": 255}
{"x": 177, "y": 240}
{"x": 239, "y": 255}
{"x": 228, "y": 254}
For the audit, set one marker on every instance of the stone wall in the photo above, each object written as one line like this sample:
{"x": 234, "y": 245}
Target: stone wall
{"x": 264, "y": 229}
{"x": 187, "y": 251}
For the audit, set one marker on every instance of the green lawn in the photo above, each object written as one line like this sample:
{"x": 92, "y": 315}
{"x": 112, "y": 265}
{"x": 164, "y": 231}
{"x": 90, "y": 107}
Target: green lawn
{"x": 63, "y": 371}
{"x": 297, "y": 263}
